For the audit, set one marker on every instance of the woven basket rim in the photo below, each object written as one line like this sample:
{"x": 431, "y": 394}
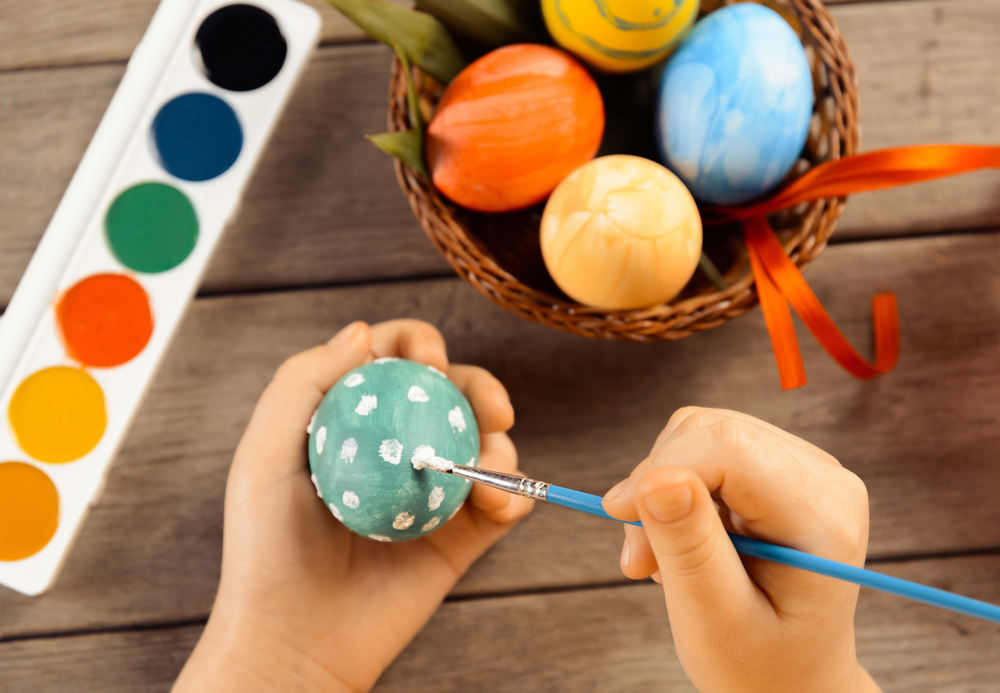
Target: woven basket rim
{"x": 804, "y": 240}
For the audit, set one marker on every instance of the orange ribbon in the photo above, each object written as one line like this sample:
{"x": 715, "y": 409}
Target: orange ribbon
{"x": 779, "y": 281}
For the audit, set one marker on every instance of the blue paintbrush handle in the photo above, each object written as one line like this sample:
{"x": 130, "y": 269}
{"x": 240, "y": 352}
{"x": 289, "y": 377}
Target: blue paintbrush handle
{"x": 590, "y": 504}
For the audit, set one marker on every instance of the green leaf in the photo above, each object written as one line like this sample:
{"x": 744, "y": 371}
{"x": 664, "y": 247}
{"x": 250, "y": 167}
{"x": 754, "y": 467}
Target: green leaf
{"x": 424, "y": 38}
{"x": 712, "y": 272}
{"x": 492, "y": 23}
{"x": 405, "y": 145}
{"x": 413, "y": 104}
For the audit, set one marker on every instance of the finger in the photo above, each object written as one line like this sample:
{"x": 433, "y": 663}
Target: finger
{"x": 487, "y": 396}
{"x": 774, "y": 495}
{"x": 276, "y": 434}
{"x": 637, "y": 561}
{"x": 707, "y": 590}
{"x": 712, "y": 428}
{"x": 498, "y": 454}
{"x": 415, "y": 340}
{"x": 691, "y": 418}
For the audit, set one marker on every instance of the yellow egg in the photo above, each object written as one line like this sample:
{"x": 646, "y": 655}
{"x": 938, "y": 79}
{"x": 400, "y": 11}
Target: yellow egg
{"x": 619, "y": 35}
{"x": 621, "y": 232}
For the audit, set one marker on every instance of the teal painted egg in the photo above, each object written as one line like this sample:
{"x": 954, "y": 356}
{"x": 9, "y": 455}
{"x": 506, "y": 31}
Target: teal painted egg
{"x": 364, "y": 436}
{"x": 735, "y": 104}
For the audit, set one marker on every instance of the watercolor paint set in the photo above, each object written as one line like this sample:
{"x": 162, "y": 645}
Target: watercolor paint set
{"x": 124, "y": 253}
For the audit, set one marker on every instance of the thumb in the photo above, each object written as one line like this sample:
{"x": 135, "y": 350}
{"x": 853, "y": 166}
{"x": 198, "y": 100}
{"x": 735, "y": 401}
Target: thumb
{"x": 704, "y": 581}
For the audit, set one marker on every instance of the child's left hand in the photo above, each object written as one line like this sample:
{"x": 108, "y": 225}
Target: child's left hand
{"x": 303, "y": 603}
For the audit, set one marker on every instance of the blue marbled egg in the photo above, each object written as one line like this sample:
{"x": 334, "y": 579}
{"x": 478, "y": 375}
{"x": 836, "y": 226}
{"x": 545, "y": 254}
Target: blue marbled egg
{"x": 735, "y": 104}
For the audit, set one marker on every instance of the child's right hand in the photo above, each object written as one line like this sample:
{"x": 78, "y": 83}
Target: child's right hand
{"x": 743, "y": 625}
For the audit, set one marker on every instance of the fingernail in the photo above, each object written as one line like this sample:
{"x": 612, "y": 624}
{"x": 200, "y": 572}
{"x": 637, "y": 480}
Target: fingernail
{"x": 670, "y": 504}
{"x": 344, "y": 335}
{"x": 616, "y": 490}
{"x": 657, "y": 578}
{"x": 624, "y": 560}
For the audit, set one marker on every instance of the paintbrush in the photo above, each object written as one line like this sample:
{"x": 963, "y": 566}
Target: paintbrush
{"x": 590, "y": 504}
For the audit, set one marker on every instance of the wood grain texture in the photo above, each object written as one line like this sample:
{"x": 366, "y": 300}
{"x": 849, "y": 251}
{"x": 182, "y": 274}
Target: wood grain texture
{"x": 324, "y": 206}
{"x": 930, "y": 73}
{"x": 922, "y": 438}
{"x": 612, "y": 639}
{"x": 47, "y": 33}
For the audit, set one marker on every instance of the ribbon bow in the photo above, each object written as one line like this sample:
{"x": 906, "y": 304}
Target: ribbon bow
{"x": 779, "y": 281}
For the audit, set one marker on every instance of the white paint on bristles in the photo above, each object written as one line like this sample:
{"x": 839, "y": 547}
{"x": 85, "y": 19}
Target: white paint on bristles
{"x": 456, "y": 419}
{"x": 366, "y": 405}
{"x": 391, "y": 451}
{"x": 404, "y": 520}
{"x": 425, "y": 457}
{"x": 353, "y": 380}
{"x": 417, "y": 394}
{"x": 312, "y": 420}
{"x": 316, "y": 485}
{"x": 320, "y": 440}
{"x": 336, "y": 512}
{"x": 379, "y": 537}
{"x": 436, "y": 498}
{"x": 351, "y": 500}
{"x": 348, "y": 450}
{"x": 432, "y": 369}
{"x": 386, "y": 359}
{"x": 431, "y": 524}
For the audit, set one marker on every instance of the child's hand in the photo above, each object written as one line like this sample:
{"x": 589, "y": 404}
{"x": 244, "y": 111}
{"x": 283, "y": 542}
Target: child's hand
{"x": 743, "y": 625}
{"x": 303, "y": 603}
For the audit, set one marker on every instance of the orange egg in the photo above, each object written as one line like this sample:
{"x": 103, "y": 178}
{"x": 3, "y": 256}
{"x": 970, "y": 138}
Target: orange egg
{"x": 511, "y": 126}
{"x": 621, "y": 232}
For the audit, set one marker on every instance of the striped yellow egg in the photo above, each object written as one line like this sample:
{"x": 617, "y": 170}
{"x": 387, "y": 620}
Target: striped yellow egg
{"x": 619, "y": 35}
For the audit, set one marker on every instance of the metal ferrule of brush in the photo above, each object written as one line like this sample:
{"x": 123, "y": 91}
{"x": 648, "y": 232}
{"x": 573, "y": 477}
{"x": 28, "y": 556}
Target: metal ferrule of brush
{"x": 529, "y": 488}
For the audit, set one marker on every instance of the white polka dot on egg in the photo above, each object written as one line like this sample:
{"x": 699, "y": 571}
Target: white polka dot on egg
{"x": 366, "y": 405}
{"x": 436, "y": 498}
{"x": 349, "y": 450}
{"x": 404, "y": 520}
{"x": 351, "y": 500}
{"x": 320, "y": 440}
{"x": 417, "y": 394}
{"x": 456, "y": 419}
{"x": 391, "y": 451}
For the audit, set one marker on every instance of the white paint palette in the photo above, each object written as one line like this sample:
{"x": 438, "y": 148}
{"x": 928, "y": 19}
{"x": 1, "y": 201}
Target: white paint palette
{"x": 124, "y": 254}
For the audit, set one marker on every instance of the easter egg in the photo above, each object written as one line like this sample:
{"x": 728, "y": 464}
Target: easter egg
{"x": 735, "y": 104}
{"x": 367, "y": 434}
{"x": 511, "y": 125}
{"x": 619, "y": 35}
{"x": 621, "y": 232}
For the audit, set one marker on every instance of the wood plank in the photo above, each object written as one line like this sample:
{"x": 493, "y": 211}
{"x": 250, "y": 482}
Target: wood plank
{"x": 930, "y": 73}
{"x": 608, "y": 639}
{"x": 922, "y": 437}
{"x": 324, "y": 206}
{"x": 73, "y": 32}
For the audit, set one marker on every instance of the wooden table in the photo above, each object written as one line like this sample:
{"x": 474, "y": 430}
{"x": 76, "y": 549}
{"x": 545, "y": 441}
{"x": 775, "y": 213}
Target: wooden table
{"x": 325, "y": 237}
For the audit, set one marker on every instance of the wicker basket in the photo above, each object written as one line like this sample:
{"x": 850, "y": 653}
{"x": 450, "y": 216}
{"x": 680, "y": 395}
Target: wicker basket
{"x": 500, "y": 255}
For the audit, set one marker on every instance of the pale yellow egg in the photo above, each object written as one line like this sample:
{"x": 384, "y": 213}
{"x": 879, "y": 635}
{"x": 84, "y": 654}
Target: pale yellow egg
{"x": 621, "y": 232}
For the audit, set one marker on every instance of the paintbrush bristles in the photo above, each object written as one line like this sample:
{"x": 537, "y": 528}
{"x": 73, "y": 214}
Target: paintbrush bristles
{"x": 424, "y": 457}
